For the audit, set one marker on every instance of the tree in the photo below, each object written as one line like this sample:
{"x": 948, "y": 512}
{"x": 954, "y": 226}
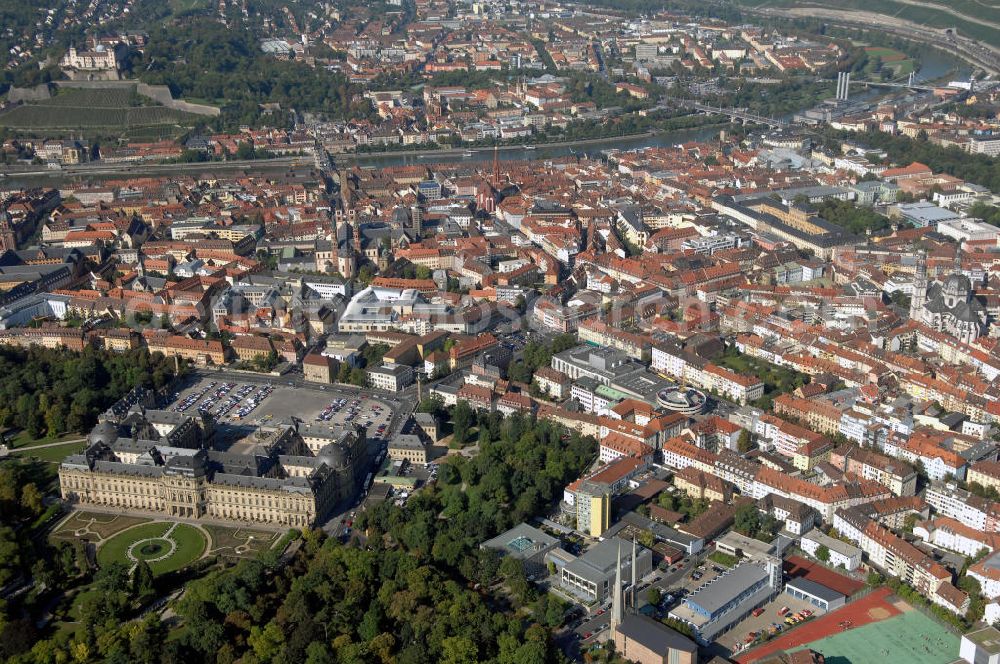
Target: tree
{"x": 358, "y": 377}
{"x": 459, "y": 650}
{"x": 823, "y": 553}
{"x": 654, "y": 596}
{"x": 142, "y": 580}
{"x": 747, "y": 519}
{"x": 461, "y": 416}
{"x": 366, "y": 274}
{"x": 874, "y": 579}
{"x": 267, "y": 642}
{"x": 745, "y": 442}
{"x": 31, "y": 499}
{"x": 433, "y": 404}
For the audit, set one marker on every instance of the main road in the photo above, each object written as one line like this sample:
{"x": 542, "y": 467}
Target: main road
{"x": 153, "y": 168}
{"x": 976, "y": 53}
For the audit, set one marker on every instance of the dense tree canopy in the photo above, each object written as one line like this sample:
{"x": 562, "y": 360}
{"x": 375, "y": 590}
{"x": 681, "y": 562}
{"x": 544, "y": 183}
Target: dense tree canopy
{"x": 205, "y": 60}
{"x": 417, "y": 588}
{"x": 856, "y": 219}
{"x": 976, "y": 168}
{"x": 49, "y": 392}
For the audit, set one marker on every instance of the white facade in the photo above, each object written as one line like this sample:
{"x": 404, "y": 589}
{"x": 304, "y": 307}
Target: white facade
{"x": 841, "y": 554}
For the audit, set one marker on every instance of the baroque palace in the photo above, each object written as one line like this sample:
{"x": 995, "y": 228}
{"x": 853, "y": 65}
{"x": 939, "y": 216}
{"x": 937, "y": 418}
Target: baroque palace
{"x": 288, "y": 474}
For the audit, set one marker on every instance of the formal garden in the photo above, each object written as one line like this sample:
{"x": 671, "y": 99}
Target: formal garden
{"x": 165, "y": 547}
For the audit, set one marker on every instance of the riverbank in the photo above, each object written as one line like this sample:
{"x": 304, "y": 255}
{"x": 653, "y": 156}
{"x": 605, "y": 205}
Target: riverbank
{"x": 555, "y": 149}
{"x": 452, "y": 152}
{"x": 709, "y": 123}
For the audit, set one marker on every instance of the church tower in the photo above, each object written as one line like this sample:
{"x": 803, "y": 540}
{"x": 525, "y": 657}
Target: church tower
{"x": 634, "y": 588}
{"x": 919, "y": 297}
{"x": 616, "y": 594}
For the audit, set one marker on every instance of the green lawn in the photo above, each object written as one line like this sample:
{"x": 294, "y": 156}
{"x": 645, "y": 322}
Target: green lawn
{"x": 723, "y": 559}
{"x": 189, "y": 540}
{"x": 240, "y": 542}
{"x": 777, "y": 380}
{"x": 22, "y": 440}
{"x": 101, "y": 526}
{"x": 52, "y": 454}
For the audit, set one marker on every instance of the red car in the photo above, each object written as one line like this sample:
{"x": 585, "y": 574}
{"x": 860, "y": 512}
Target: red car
{"x": 758, "y": 611}
{"x": 587, "y": 635}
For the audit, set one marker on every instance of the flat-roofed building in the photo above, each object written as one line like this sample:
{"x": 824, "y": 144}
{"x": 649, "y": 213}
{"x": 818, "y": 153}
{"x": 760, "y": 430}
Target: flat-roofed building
{"x": 842, "y": 554}
{"x": 723, "y": 602}
{"x": 525, "y": 543}
{"x": 818, "y": 595}
{"x": 391, "y": 378}
{"x": 591, "y": 576}
{"x": 981, "y": 646}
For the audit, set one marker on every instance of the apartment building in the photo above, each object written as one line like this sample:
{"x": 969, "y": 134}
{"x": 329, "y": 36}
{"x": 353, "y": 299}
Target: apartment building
{"x": 950, "y": 534}
{"x": 985, "y": 474}
{"x": 682, "y": 365}
{"x": 819, "y": 416}
{"x": 898, "y": 475}
{"x": 970, "y": 510}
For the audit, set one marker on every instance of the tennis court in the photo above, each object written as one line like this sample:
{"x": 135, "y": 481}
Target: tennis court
{"x": 909, "y": 637}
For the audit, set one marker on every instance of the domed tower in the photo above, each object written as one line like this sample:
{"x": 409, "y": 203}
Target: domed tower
{"x": 105, "y": 432}
{"x": 957, "y": 289}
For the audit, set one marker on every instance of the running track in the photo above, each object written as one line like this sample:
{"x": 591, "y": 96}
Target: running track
{"x": 818, "y": 628}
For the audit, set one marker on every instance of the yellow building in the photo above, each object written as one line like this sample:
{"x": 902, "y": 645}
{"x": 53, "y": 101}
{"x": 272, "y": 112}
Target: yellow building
{"x": 128, "y": 465}
{"x": 408, "y": 447}
{"x": 984, "y": 473}
{"x": 700, "y": 485}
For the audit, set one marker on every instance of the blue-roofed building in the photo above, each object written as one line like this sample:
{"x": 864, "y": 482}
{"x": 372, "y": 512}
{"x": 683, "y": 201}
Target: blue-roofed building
{"x": 430, "y": 190}
{"x": 717, "y": 606}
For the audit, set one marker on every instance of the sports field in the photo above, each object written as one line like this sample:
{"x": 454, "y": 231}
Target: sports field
{"x": 877, "y": 629}
{"x": 910, "y": 637}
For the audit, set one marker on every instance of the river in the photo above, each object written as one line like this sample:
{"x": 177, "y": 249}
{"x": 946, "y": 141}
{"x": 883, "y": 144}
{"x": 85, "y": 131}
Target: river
{"x": 542, "y": 151}
{"x": 934, "y": 65}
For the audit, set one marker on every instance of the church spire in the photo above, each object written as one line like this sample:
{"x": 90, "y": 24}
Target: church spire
{"x": 634, "y": 604}
{"x": 919, "y": 297}
{"x": 616, "y": 597}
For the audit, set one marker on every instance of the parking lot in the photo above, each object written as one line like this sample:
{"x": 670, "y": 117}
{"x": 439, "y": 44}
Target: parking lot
{"x": 344, "y": 410}
{"x": 239, "y": 407}
{"x": 736, "y": 638}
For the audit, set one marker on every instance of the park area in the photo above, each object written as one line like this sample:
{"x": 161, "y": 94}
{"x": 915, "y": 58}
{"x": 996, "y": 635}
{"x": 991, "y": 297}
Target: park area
{"x": 166, "y": 546}
{"x": 899, "y": 62}
{"x": 876, "y": 629}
